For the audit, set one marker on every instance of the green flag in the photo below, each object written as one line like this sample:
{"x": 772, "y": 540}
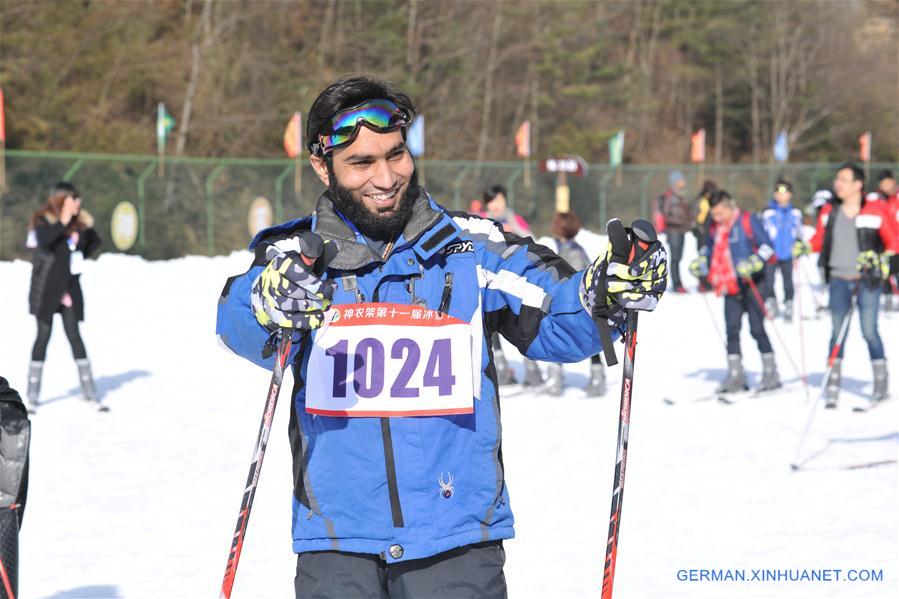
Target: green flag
{"x": 616, "y": 148}
{"x": 164, "y": 124}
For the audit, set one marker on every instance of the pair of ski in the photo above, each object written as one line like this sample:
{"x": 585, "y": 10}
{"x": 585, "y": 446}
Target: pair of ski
{"x": 720, "y": 397}
{"x": 867, "y": 407}
{"x": 100, "y": 406}
{"x": 729, "y": 399}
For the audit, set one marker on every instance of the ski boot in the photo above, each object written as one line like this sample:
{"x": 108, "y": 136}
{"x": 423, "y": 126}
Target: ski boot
{"x": 597, "y": 385}
{"x": 832, "y": 388}
{"x": 788, "y": 311}
{"x": 554, "y": 380}
{"x": 532, "y": 376}
{"x": 504, "y": 375}
{"x": 88, "y": 389}
{"x": 881, "y": 380}
{"x": 736, "y": 376}
{"x": 770, "y": 378}
{"x": 35, "y": 369}
{"x": 771, "y": 307}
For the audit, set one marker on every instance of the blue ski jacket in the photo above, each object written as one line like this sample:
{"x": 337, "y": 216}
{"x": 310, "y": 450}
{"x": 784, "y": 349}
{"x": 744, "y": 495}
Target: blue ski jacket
{"x": 381, "y": 485}
{"x": 784, "y": 226}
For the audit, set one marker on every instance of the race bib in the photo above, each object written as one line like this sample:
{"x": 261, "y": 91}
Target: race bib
{"x": 378, "y": 360}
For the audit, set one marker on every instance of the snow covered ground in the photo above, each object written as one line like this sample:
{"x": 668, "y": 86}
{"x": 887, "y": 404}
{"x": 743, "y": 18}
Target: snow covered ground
{"x": 142, "y": 501}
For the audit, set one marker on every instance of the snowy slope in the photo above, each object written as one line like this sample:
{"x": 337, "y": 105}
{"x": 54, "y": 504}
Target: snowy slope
{"x": 142, "y": 501}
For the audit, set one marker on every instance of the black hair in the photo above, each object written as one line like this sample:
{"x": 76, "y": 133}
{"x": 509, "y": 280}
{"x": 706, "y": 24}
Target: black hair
{"x": 885, "y": 174}
{"x": 64, "y": 188}
{"x": 784, "y": 183}
{"x": 347, "y": 92}
{"x": 493, "y": 191}
{"x": 858, "y": 174}
{"x": 719, "y": 196}
{"x": 708, "y": 187}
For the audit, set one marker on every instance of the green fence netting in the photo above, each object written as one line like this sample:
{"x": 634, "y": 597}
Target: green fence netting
{"x": 201, "y": 206}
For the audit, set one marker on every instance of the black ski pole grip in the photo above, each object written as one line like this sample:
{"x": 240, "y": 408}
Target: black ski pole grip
{"x": 644, "y": 231}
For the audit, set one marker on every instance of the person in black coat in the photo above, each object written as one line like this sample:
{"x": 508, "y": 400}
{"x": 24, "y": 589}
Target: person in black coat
{"x": 63, "y": 237}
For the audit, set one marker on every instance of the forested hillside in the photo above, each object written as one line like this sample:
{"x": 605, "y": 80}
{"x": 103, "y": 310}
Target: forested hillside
{"x": 87, "y": 75}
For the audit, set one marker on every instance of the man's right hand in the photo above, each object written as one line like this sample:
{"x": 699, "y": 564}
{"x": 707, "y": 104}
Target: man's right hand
{"x": 288, "y": 294}
{"x": 699, "y": 266}
{"x": 801, "y": 248}
{"x": 68, "y": 210}
{"x": 749, "y": 266}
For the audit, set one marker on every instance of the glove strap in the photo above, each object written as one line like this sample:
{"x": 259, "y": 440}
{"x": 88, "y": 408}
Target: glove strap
{"x": 605, "y": 339}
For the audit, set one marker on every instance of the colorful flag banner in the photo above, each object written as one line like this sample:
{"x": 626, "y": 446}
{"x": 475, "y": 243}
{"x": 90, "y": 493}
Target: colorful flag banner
{"x": 864, "y": 146}
{"x": 781, "y": 147}
{"x": 415, "y": 137}
{"x": 164, "y": 124}
{"x": 616, "y": 149}
{"x": 293, "y": 135}
{"x": 523, "y": 140}
{"x": 2, "y": 117}
{"x": 697, "y": 146}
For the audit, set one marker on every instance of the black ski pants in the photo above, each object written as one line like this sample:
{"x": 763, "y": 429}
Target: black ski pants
{"x": 734, "y": 307}
{"x": 676, "y": 244}
{"x": 470, "y": 572}
{"x": 786, "y": 274}
{"x": 70, "y": 325}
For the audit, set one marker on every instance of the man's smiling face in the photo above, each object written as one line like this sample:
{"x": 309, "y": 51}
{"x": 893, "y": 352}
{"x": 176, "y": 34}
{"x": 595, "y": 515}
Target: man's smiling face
{"x": 375, "y": 169}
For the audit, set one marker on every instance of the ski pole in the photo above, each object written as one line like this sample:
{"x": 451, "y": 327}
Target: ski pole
{"x": 819, "y": 307}
{"x": 714, "y": 320}
{"x": 316, "y": 253}
{"x": 831, "y": 359}
{"x": 758, "y": 298}
{"x": 249, "y": 493}
{"x": 801, "y": 328}
{"x": 644, "y": 232}
{"x": 624, "y": 413}
{"x": 7, "y": 585}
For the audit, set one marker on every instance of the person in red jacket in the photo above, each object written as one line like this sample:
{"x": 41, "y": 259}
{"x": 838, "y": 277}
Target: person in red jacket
{"x": 888, "y": 193}
{"x": 856, "y": 240}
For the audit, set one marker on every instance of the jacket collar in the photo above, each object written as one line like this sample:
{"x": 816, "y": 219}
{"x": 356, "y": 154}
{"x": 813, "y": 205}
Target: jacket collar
{"x": 354, "y": 253}
{"x": 772, "y": 203}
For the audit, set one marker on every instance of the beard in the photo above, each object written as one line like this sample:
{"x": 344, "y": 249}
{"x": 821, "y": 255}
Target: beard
{"x": 381, "y": 227}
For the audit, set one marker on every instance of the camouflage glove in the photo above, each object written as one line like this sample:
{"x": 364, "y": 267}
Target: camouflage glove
{"x": 874, "y": 265}
{"x": 750, "y": 266}
{"x": 634, "y": 282}
{"x": 289, "y": 293}
{"x": 699, "y": 267}
{"x": 801, "y": 248}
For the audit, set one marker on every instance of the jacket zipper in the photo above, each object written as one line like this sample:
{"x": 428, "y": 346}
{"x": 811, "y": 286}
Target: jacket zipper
{"x": 393, "y": 491}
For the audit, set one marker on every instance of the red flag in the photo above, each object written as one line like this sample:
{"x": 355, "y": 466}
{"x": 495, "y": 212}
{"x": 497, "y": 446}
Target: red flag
{"x": 864, "y": 146}
{"x": 2, "y": 117}
{"x": 523, "y": 140}
{"x": 697, "y": 146}
{"x": 293, "y": 136}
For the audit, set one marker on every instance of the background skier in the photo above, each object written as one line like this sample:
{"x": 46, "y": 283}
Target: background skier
{"x": 734, "y": 261}
{"x": 64, "y": 236}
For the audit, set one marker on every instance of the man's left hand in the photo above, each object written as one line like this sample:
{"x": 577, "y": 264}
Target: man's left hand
{"x": 636, "y": 282}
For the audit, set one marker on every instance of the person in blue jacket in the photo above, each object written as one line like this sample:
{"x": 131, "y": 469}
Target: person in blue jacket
{"x": 783, "y": 223}
{"x": 392, "y": 301}
{"x": 734, "y": 258}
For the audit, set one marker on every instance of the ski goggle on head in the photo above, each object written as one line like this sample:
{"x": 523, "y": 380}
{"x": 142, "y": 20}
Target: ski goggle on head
{"x": 381, "y": 116}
